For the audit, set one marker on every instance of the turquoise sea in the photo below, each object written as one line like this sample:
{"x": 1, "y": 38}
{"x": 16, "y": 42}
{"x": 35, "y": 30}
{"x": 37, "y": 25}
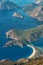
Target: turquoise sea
{"x": 23, "y": 2}
{"x": 7, "y": 22}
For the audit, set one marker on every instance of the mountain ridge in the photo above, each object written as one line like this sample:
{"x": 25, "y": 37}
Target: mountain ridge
{"x": 8, "y": 5}
{"x": 35, "y": 10}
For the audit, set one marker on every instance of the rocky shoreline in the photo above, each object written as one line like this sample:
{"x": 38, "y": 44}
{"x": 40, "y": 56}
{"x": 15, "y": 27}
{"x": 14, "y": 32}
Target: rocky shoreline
{"x": 23, "y": 38}
{"x": 36, "y": 61}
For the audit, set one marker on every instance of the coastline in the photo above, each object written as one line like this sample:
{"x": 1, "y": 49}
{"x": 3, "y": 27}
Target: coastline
{"x": 37, "y": 52}
{"x": 2, "y": 60}
{"x": 33, "y": 53}
{"x": 31, "y": 56}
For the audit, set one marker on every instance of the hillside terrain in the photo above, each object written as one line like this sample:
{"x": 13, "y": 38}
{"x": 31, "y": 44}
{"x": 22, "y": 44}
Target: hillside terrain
{"x": 22, "y": 38}
{"x": 8, "y": 5}
{"x": 37, "y": 61}
{"x": 35, "y": 10}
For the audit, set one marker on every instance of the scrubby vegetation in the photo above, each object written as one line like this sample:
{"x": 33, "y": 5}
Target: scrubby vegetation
{"x": 36, "y": 61}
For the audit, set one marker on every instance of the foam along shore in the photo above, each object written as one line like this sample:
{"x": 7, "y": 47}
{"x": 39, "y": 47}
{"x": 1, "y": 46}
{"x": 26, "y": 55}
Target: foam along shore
{"x": 37, "y": 52}
{"x": 33, "y": 53}
{"x": 18, "y": 15}
{"x": 31, "y": 56}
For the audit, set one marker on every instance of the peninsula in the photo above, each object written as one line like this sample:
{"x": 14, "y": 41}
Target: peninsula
{"x": 23, "y": 38}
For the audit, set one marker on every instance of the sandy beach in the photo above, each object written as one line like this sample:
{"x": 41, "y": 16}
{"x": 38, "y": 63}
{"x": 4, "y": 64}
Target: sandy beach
{"x": 34, "y": 51}
{"x": 31, "y": 56}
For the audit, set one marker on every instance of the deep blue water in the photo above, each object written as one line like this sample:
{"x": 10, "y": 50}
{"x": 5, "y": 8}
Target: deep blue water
{"x": 39, "y": 43}
{"x": 7, "y": 22}
{"x": 15, "y": 53}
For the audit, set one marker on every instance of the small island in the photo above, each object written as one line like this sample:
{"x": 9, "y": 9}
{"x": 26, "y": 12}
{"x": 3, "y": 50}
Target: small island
{"x": 18, "y": 15}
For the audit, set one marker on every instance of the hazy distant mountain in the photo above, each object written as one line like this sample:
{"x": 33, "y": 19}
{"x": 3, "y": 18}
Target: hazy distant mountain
{"x": 35, "y": 10}
{"x": 6, "y": 4}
